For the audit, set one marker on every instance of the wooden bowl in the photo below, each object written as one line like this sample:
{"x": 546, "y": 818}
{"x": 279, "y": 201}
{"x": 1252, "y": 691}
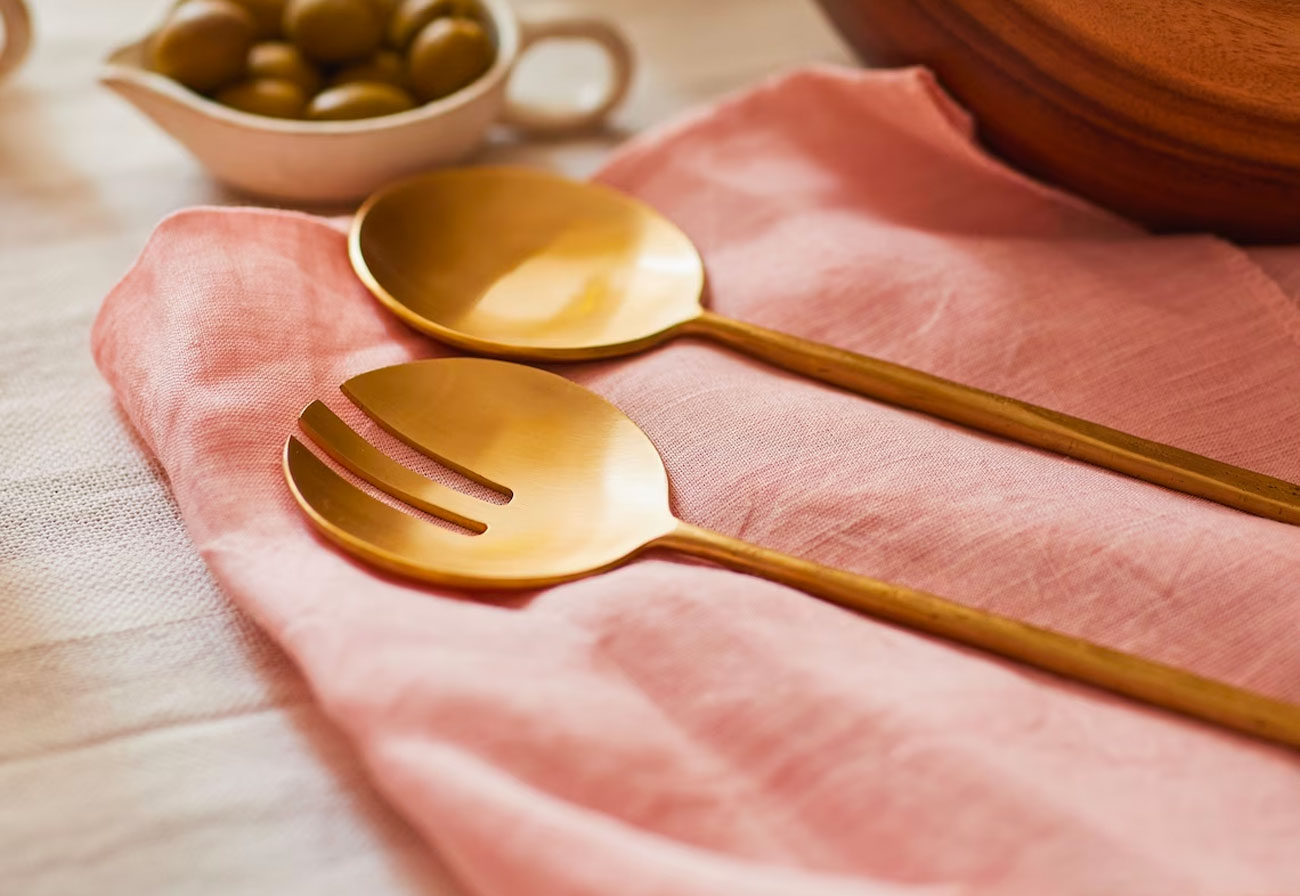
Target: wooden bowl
{"x": 1182, "y": 114}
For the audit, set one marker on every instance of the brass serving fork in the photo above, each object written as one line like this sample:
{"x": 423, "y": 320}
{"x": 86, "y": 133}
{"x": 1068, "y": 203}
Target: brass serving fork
{"x": 587, "y": 490}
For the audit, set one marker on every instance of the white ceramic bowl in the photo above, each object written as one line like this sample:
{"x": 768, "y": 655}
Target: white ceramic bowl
{"x": 335, "y": 161}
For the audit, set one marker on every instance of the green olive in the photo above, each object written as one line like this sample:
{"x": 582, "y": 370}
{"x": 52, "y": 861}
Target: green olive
{"x": 267, "y": 16}
{"x": 265, "y": 96}
{"x": 334, "y": 31}
{"x": 359, "y": 99}
{"x": 413, "y": 15}
{"x": 385, "y": 67}
{"x": 284, "y": 62}
{"x": 447, "y": 55}
{"x": 203, "y": 44}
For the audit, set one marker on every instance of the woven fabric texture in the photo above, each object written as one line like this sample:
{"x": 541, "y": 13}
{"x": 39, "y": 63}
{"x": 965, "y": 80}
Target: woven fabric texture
{"x": 672, "y": 728}
{"x": 153, "y": 740}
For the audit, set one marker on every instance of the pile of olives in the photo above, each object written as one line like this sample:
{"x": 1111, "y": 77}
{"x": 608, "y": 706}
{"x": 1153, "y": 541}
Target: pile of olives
{"x": 323, "y": 60}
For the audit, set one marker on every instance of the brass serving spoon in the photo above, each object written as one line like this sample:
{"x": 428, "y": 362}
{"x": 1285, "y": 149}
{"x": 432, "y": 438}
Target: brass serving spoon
{"x": 523, "y": 264}
{"x": 587, "y": 491}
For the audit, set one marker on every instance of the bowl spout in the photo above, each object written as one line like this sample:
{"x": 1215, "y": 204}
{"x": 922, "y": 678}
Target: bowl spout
{"x": 171, "y": 106}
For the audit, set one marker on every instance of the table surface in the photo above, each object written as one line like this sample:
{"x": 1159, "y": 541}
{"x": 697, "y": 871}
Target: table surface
{"x": 151, "y": 739}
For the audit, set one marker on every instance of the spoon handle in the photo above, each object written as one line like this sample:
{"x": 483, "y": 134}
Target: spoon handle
{"x": 1068, "y": 657}
{"x": 1023, "y": 422}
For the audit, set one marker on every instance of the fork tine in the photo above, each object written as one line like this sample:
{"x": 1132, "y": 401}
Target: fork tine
{"x": 343, "y": 444}
{"x": 367, "y": 526}
{"x": 448, "y": 413}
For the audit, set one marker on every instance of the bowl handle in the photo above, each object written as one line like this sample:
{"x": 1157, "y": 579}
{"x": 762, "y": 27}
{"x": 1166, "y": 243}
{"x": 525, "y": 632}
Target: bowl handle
{"x": 17, "y": 35}
{"x": 547, "y": 119}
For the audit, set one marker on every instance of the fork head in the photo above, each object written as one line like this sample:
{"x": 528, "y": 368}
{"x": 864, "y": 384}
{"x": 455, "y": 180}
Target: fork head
{"x": 586, "y": 488}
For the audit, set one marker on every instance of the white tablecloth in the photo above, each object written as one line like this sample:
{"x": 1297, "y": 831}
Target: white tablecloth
{"x": 151, "y": 740}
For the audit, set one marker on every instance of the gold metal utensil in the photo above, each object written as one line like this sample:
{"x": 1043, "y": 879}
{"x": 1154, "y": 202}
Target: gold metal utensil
{"x": 587, "y": 490}
{"x": 523, "y": 264}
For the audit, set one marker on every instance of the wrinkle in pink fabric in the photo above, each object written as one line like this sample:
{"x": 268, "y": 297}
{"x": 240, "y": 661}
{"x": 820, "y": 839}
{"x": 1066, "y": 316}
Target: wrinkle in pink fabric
{"x": 671, "y": 728}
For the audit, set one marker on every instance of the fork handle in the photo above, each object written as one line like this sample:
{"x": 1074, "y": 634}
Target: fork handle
{"x": 1029, "y": 424}
{"x": 1072, "y": 658}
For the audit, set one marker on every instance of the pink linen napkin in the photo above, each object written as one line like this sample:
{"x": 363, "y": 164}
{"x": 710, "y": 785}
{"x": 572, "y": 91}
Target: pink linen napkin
{"x": 672, "y": 728}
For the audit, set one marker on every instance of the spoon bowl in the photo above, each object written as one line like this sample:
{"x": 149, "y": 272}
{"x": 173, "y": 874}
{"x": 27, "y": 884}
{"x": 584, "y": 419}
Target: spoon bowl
{"x": 518, "y": 263}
